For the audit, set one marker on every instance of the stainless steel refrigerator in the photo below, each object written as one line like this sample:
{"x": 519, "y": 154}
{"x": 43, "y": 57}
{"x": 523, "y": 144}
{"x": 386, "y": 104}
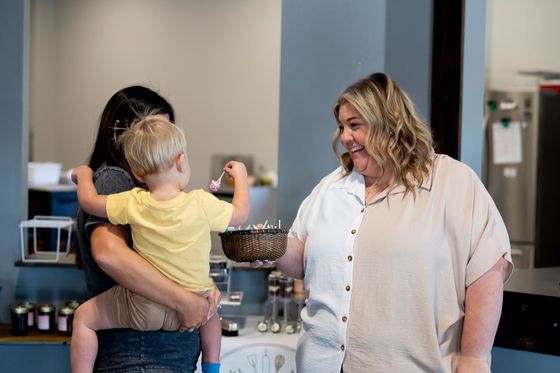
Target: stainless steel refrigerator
{"x": 522, "y": 158}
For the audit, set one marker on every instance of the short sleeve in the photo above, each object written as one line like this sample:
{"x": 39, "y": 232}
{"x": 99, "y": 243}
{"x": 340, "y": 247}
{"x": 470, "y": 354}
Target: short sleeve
{"x": 117, "y": 207}
{"x": 217, "y": 212}
{"x": 108, "y": 180}
{"x": 489, "y": 237}
{"x": 298, "y": 226}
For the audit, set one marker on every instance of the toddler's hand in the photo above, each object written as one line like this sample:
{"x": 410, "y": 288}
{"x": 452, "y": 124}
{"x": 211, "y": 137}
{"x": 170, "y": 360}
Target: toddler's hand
{"x": 81, "y": 171}
{"x": 236, "y": 170}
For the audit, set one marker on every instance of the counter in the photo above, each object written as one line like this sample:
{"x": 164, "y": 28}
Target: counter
{"x": 530, "y": 318}
{"x": 253, "y": 351}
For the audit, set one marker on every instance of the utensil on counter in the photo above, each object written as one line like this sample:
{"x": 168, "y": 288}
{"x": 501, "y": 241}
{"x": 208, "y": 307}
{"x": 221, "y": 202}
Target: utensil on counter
{"x": 279, "y": 361}
{"x": 265, "y": 362}
{"x": 252, "y": 360}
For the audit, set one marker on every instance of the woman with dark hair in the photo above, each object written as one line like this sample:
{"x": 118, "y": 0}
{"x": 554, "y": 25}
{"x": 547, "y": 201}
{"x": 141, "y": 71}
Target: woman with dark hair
{"x": 106, "y": 256}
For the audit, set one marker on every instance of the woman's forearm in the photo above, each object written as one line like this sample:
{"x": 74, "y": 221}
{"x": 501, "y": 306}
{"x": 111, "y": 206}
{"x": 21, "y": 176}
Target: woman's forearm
{"x": 291, "y": 263}
{"x": 483, "y": 306}
{"x": 132, "y": 271}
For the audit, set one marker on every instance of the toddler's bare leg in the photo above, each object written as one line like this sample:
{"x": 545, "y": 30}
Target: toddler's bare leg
{"x": 89, "y": 317}
{"x": 211, "y": 335}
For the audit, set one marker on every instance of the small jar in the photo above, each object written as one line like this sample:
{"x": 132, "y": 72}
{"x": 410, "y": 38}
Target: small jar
{"x": 18, "y": 318}
{"x": 72, "y": 304}
{"x": 273, "y": 284}
{"x": 31, "y": 314}
{"x": 45, "y": 318}
{"x": 286, "y": 287}
{"x": 65, "y": 319}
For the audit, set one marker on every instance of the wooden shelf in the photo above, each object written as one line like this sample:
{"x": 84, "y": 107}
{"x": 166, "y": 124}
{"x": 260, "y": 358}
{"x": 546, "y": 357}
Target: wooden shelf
{"x": 32, "y": 337}
{"x": 65, "y": 261}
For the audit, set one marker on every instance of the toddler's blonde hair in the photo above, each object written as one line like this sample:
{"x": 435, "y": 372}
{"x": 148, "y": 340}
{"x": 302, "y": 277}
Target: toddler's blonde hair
{"x": 152, "y": 144}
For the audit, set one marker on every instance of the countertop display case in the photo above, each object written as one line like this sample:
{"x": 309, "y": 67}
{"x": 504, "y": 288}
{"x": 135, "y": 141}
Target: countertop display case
{"x": 253, "y": 351}
{"x": 531, "y": 311}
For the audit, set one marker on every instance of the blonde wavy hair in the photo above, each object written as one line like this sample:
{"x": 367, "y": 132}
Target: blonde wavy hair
{"x": 152, "y": 144}
{"x": 397, "y": 139}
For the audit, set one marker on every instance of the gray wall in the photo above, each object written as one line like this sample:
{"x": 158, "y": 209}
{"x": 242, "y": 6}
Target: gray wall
{"x": 52, "y": 285}
{"x": 472, "y": 97}
{"x": 12, "y": 144}
{"x": 408, "y": 49}
{"x": 326, "y": 45}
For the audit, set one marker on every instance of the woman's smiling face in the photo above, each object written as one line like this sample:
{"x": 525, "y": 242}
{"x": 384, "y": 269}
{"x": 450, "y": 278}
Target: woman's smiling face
{"x": 353, "y": 136}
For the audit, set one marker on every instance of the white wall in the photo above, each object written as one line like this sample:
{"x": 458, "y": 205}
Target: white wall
{"x": 218, "y": 62}
{"x": 521, "y": 35}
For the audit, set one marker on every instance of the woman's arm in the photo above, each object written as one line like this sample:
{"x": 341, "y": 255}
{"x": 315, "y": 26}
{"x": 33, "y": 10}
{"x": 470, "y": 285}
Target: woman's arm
{"x": 483, "y": 307}
{"x": 291, "y": 263}
{"x": 132, "y": 271}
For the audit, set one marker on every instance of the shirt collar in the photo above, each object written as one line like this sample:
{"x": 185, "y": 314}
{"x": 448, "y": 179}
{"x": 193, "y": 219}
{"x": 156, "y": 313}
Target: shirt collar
{"x": 354, "y": 182}
{"x": 426, "y": 183}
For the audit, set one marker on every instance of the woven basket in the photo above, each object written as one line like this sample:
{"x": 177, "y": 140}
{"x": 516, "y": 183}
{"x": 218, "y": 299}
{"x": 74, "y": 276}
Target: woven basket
{"x": 254, "y": 244}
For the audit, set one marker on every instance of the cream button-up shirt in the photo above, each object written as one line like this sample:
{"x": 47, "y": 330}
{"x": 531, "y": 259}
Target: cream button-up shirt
{"x": 387, "y": 281}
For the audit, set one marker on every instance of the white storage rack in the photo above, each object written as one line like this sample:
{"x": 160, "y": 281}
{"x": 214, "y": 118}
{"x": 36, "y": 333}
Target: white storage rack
{"x": 35, "y": 255}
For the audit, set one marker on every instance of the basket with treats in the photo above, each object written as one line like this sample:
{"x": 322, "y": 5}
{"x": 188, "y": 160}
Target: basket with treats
{"x": 254, "y": 244}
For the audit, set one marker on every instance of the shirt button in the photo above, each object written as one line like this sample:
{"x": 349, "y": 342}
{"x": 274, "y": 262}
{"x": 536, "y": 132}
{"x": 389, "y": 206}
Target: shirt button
{"x": 342, "y": 347}
{"x": 353, "y": 231}
{"x": 347, "y": 287}
{"x": 349, "y": 258}
{"x": 344, "y": 318}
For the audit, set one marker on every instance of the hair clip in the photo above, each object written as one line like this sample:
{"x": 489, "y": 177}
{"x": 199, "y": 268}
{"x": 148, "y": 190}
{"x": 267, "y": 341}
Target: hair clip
{"x": 116, "y": 128}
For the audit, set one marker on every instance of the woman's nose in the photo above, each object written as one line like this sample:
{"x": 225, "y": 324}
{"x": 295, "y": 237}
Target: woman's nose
{"x": 345, "y": 136}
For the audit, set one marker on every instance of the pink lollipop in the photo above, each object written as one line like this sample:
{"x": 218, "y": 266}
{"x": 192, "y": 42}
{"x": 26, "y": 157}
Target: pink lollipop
{"x": 215, "y": 184}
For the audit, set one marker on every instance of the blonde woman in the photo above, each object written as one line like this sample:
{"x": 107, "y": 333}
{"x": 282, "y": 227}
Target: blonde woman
{"x": 402, "y": 250}
{"x": 170, "y": 228}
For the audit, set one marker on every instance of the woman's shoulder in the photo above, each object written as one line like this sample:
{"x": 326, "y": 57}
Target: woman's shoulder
{"x": 448, "y": 169}
{"x": 334, "y": 180}
{"x": 110, "y": 179}
{"x": 336, "y": 176}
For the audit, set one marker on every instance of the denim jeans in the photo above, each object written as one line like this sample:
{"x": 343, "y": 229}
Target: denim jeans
{"x": 125, "y": 350}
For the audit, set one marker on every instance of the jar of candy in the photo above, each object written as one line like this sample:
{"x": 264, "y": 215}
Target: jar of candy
{"x": 65, "y": 319}
{"x": 45, "y": 318}
{"x": 31, "y": 314}
{"x": 18, "y": 318}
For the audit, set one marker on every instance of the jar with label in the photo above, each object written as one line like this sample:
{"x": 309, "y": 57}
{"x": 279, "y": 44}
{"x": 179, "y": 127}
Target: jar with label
{"x": 65, "y": 319}
{"x": 45, "y": 318}
{"x": 18, "y": 318}
{"x": 273, "y": 283}
{"x": 286, "y": 287}
{"x": 31, "y": 314}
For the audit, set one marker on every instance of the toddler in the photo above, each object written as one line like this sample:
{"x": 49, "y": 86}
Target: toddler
{"x": 170, "y": 228}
